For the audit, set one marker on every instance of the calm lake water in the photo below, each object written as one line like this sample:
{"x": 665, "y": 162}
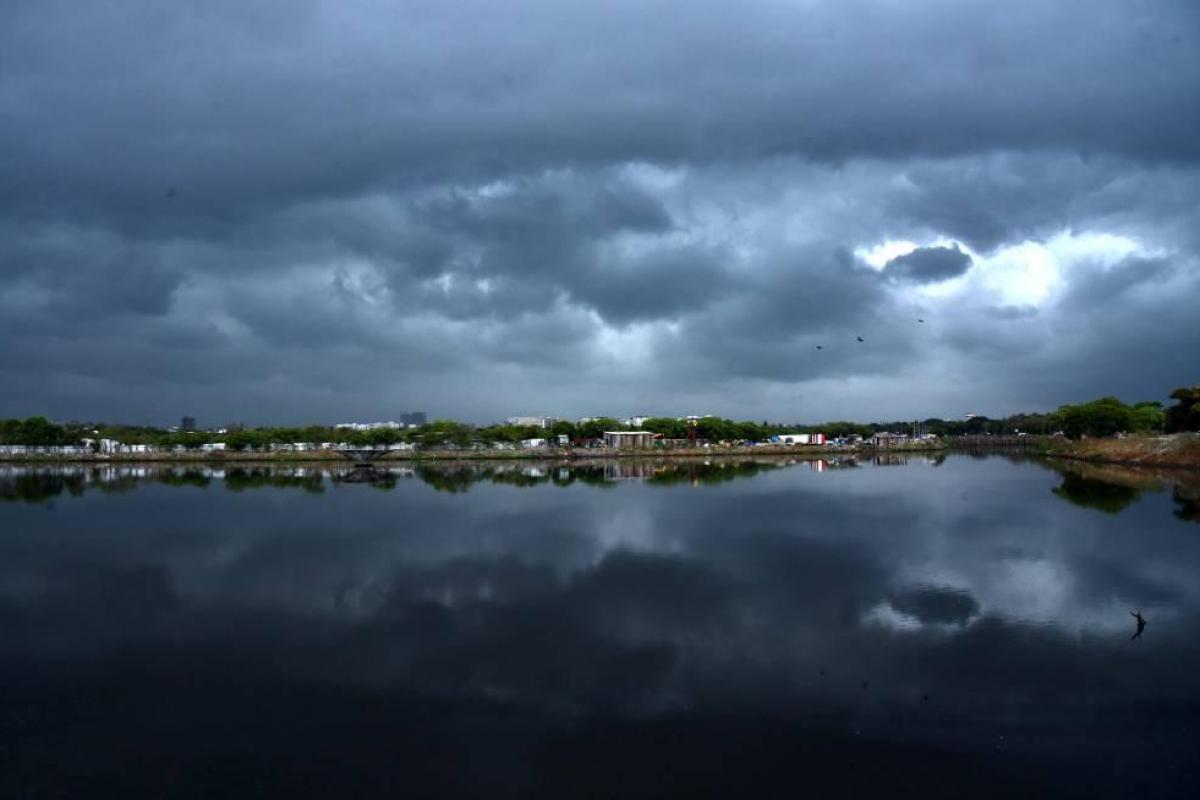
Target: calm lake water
{"x": 956, "y": 627}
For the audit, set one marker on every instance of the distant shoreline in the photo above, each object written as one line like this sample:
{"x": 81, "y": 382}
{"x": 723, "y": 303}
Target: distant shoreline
{"x": 810, "y": 452}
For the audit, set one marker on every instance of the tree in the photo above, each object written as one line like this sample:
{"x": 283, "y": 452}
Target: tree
{"x": 442, "y": 431}
{"x": 34, "y": 432}
{"x": 1102, "y": 417}
{"x": 1148, "y": 417}
{"x": 668, "y": 427}
{"x": 564, "y": 427}
{"x": 594, "y": 429}
{"x": 1185, "y": 414}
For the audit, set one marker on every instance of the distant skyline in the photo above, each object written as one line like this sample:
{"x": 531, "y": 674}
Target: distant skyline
{"x": 294, "y": 212}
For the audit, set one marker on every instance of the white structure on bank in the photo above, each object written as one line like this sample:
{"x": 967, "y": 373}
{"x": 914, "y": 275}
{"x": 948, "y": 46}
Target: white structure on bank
{"x": 801, "y": 438}
{"x": 368, "y": 426}
{"x": 531, "y": 422}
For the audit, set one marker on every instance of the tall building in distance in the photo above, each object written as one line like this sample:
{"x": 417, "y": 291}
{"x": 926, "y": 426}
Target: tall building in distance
{"x": 413, "y": 418}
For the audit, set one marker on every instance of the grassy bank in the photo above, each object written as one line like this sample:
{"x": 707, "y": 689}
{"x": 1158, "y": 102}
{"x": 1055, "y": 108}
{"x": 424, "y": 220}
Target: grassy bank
{"x": 1175, "y": 451}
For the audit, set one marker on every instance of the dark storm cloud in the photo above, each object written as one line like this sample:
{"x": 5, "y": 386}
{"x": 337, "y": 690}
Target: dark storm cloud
{"x": 1137, "y": 311}
{"x": 998, "y": 198}
{"x": 278, "y": 102}
{"x": 929, "y": 264}
{"x": 658, "y": 197}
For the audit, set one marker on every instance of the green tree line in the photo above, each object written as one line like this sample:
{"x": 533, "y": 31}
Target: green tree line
{"x": 1103, "y": 417}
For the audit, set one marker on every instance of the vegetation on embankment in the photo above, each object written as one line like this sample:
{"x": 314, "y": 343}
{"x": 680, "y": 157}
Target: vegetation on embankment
{"x": 1178, "y": 450}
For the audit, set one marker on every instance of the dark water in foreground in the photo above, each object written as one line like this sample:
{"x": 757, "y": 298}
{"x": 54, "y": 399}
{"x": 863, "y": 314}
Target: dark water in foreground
{"x": 958, "y": 628}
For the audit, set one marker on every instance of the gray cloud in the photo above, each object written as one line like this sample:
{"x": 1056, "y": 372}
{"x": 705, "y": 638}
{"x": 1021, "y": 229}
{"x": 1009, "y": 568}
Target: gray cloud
{"x": 238, "y": 208}
{"x": 929, "y": 264}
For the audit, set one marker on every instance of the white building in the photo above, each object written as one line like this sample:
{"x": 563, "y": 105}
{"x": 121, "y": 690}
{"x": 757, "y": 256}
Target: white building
{"x": 532, "y": 443}
{"x": 368, "y": 426}
{"x": 801, "y": 438}
{"x": 531, "y": 422}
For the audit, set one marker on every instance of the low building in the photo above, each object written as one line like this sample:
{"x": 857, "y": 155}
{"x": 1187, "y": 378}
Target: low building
{"x": 529, "y": 444}
{"x": 886, "y": 439}
{"x": 622, "y": 440}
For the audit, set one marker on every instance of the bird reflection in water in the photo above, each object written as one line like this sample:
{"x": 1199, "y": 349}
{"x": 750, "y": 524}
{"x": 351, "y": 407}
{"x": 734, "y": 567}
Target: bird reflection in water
{"x": 1141, "y": 625}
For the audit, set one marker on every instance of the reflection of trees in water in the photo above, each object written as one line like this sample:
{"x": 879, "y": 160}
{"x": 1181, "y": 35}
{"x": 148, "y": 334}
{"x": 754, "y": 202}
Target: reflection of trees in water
{"x": 39, "y": 487}
{"x": 1189, "y": 503}
{"x": 119, "y": 484}
{"x": 384, "y": 481}
{"x": 460, "y": 478}
{"x": 522, "y": 478}
{"x": 591, "y": 475}
{"x": 1110, "y": 498}
{"x": 187, "y": 477}
{"x": 449, "y": 479}
{"x": 240, "y": 479}
{"x": 708, "y": 473}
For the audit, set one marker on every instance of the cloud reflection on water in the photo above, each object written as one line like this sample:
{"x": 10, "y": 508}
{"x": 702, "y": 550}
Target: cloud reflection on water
{"x": 749, "y": 589}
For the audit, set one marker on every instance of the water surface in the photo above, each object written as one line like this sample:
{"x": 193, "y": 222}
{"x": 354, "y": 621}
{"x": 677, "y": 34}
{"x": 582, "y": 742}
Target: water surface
{"x": 931, "y": 627}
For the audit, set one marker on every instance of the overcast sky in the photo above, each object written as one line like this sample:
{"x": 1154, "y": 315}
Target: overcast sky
{"x": 324, "y": 211}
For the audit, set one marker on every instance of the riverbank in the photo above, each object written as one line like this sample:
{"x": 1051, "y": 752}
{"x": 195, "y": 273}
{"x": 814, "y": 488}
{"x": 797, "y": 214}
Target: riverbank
{"x": 404, "y": 456}
{"x": 1173, "y": 451}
